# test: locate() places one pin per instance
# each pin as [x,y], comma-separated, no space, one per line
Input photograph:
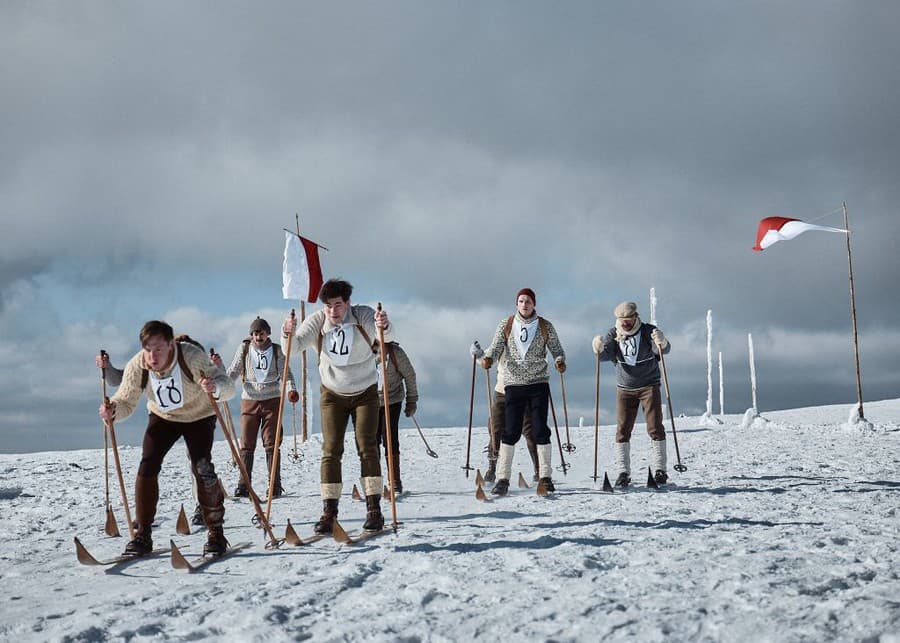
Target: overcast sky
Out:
[449,154]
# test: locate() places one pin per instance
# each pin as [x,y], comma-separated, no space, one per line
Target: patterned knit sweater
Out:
[195,404]
[270,386]
[532,367]
[350,372]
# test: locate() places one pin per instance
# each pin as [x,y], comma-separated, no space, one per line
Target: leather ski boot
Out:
[197,518]
[329,515]
[501,488]
[623,480]
[660,476]
[491,474]
[398,485]
[241,490]
[142,543]
[277,489]
[216,543]
[374,517]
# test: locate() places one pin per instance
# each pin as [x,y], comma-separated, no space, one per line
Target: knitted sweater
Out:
[270,386]
[532,367]
[397,374]
[645,371]
[195,404]
[346,361]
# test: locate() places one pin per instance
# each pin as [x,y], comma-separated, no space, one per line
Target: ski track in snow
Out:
[780,532]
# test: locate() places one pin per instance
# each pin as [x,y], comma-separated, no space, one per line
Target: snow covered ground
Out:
[779,531]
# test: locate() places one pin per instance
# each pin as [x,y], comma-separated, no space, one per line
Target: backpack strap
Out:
[508,327]
[390,350]
[542,324]
[182,362]
[246,350]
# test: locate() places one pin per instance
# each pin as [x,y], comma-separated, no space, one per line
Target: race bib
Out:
[629,347]
[339,343]
[524,334]
[168,392]
[261,361]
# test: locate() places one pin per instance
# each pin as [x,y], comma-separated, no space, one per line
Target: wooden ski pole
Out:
[115,449]
[428,449]
[110,527]
[568,445]
[490,400]
[277,449]
[678,467]
[467,467]
[274,542]
[388,438]
[562,458]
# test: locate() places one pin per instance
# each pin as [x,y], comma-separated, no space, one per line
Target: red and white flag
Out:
[302,273]
[774,229]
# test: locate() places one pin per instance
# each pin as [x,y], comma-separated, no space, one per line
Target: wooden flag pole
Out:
[859,397]
[304,434]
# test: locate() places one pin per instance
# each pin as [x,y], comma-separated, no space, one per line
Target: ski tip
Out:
[607,487]
[479,494]
[182,527]
[355,493]
[479,479]
[290,535]
[339,533]
[84,556]
[523,484]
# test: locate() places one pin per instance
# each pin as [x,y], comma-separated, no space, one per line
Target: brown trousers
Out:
[259,415]
[627,403]
[160,436]
[337,410]
[498,417]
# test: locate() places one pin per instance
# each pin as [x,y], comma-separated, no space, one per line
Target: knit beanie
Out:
[527,292]
[260,324]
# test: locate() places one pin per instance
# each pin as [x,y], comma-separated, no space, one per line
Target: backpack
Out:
[182,339]
[246,350]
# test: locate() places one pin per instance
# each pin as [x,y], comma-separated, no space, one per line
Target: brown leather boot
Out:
[277,489]
[209,494]
[395,474]
[146,495]
[329,515]
[241,490]
[533,452]
[374,518]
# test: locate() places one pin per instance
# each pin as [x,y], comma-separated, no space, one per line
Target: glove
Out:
[410,409]
[597,344]
[486,363]
[658,338]
[560,364]
[293,397]
[476,351]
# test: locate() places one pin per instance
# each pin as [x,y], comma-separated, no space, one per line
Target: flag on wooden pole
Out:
[774,229]
[302,274]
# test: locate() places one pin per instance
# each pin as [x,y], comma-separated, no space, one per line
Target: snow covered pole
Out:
[721,387]
[653,306]
[752,372]
[709,363]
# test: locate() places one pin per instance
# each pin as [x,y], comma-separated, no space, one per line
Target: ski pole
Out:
[562,458]
[388,437]
[295,454]
[678,467]
[115,448]
[276,452]
[110,528]
[597,422]
[568,445]
[490,399]
[467,467]
[274,542]
[422,435]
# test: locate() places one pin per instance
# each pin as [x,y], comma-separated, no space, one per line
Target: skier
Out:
[177,378]
[634,347]
[401,384]
[345,337]
[498,420]
[260,363]
[524,339]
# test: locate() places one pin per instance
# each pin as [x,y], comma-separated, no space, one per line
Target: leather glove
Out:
[597,344]
[658,338]
[486,363]
[560,364]
[293,397]
[475,350]
[410,409]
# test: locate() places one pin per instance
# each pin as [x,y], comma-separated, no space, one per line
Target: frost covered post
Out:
[707,418]
[752,374]
[721,387]
[653,306]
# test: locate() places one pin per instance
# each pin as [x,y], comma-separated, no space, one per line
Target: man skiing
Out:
[523,341]
[401,384]
[345,336]
[178,379]
[259,363]
[498,421]
[634,347]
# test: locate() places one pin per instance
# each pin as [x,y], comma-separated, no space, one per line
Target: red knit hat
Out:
[528,292]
